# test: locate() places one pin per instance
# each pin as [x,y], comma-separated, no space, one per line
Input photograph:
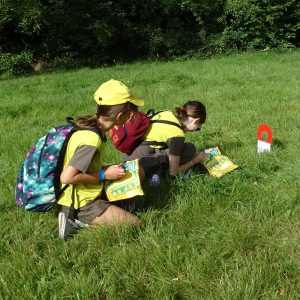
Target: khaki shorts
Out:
[90,211]
[156,161]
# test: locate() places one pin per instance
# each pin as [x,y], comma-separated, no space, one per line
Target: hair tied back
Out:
[183,110]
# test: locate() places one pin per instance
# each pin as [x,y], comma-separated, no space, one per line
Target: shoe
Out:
[68,227]
[155,180]
[187,174]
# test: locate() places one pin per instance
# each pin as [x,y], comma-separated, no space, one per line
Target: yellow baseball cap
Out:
[113,92]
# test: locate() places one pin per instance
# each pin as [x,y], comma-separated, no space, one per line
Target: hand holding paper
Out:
[127,186]
[218,164]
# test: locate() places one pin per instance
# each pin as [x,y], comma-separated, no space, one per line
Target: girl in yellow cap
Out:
[164,148]
[82,203]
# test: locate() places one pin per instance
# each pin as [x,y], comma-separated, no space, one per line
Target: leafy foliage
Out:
[15,64]
[257,24]
[65,33]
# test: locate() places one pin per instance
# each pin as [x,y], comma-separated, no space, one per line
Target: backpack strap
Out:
[151,113]
[72,211]
[70,120]
[166,122]
[96,130]
[59,166]
[60,162]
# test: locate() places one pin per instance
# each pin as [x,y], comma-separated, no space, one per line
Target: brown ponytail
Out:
[109,112]
[192,108]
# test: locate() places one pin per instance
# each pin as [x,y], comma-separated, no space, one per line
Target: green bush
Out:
[15,64]
[258,24]
[64,33]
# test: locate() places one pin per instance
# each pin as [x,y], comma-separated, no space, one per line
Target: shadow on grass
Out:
[163,195]
[230,145]
[278,143]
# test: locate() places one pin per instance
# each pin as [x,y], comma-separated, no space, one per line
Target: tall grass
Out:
[204,238]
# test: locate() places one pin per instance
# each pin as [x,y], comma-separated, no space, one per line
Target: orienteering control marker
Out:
[264,146]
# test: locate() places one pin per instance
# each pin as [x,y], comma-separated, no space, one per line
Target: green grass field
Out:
[237,237]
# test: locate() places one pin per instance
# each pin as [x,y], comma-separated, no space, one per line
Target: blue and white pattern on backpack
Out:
[35,187]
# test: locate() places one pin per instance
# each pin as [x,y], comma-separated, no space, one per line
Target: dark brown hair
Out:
[109,112]
[192,108]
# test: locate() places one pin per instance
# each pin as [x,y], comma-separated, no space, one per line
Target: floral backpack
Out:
[38,180]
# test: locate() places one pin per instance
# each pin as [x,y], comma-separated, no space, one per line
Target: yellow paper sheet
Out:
[126,187]
[218,164]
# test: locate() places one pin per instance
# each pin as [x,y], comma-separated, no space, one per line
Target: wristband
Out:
[101,175]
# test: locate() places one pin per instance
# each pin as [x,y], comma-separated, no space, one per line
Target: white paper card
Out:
[263,146]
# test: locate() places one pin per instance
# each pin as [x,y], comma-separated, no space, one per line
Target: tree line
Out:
[37,34]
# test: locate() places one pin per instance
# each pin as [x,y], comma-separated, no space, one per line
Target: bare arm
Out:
[174,163]
[175,145]
[71,175]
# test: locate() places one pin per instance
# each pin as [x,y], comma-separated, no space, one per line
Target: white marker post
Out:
[264,146]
